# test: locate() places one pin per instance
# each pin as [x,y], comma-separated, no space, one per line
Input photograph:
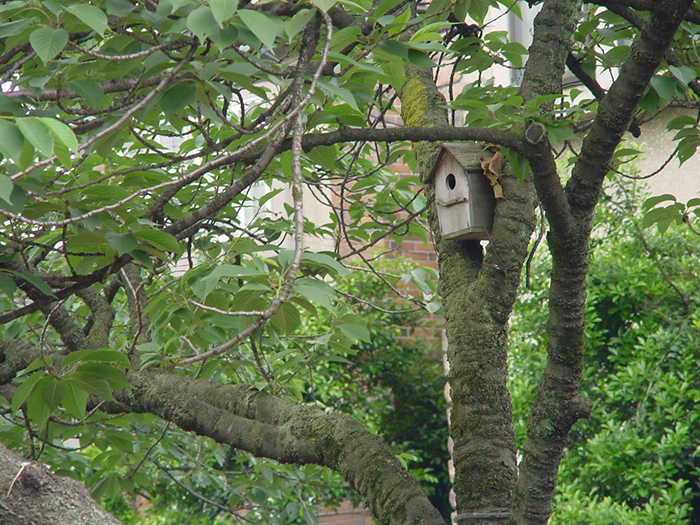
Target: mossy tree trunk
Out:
[478,289]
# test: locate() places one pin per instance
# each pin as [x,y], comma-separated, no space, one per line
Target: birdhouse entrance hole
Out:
[451,181]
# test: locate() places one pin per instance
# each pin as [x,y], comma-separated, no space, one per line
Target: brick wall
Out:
[346,514]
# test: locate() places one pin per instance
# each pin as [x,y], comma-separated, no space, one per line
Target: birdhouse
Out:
[463,195]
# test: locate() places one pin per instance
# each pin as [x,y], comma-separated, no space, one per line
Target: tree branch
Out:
[31,494]
[287,432]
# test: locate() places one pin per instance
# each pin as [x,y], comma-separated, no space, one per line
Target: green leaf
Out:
[61,132]
[120,440]
[119,7]
[53,393]
[420,59]
[657,199]
[39,136]
[222,10]
[161,240]
[356,331]
[264,27]
[92,16]
[107,146]
[75,399]
[105,356]
[92,384]
[324,5]
[37,409]
[345,94]
[38,282]
[14,28]
[655,215]
[6,187]
[202,23]
[17,200]
[315,290]
[286,319]
[665,87]
[177,98]
[395,48]
[294,25]
[325,261]
[11,140]
[385,7]
[113,375]
[435,6]
[123,243]
[106,487]
[7,285]
[90,91]
[343,38]
[47,43]
[683,74]
[25,389]
[681,122]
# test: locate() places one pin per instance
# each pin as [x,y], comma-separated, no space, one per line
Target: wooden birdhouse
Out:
[464,197]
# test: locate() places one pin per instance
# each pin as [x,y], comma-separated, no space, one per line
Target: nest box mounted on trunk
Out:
[463,195]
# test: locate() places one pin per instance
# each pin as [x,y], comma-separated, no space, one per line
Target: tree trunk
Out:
[478,291]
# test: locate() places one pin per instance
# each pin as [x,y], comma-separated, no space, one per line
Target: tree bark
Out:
[29,493]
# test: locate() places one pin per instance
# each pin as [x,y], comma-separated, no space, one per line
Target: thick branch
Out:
[268,426]
[31,494]
[559,403]
[287,432]
[551,45]
[100,322]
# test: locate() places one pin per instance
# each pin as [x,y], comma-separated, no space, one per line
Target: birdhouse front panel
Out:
[464,197]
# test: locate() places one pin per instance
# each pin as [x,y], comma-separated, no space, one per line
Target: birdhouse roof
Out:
[466,153]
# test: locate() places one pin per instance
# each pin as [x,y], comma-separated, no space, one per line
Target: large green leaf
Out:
[75,399]
[222,10]
[105,356]
[14,28]
[324,5]
[264,27]
[61,132]
[91,91]
[53,392]
[6,188]
[161,240]
[177,98]
[11,140]
[38,282]
[91,383]
[90,15]
[202,23]
[286,319]
[26,388]
[47,43]
[123,243]
[36,132]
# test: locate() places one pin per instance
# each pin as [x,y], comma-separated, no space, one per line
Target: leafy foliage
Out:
[636,460]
